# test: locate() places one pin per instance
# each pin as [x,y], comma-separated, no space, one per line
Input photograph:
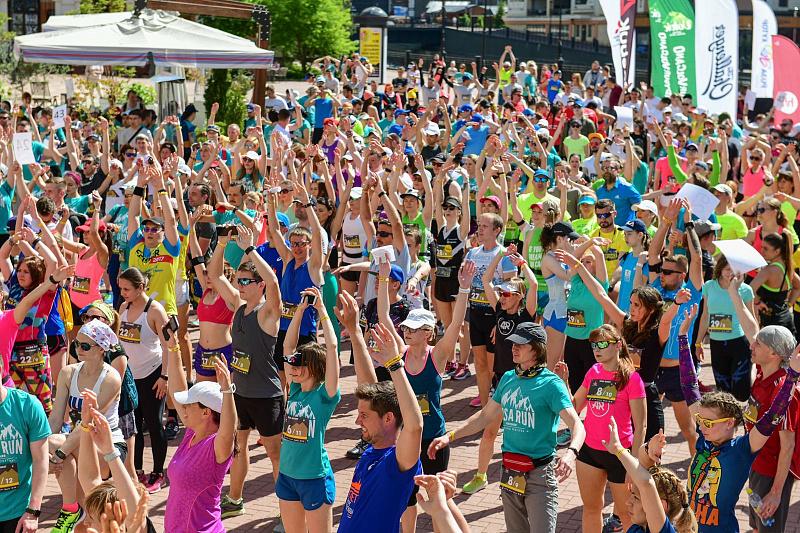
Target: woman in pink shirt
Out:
[611,388]
[753,171]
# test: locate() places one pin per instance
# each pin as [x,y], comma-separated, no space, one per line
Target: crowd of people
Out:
[497,221]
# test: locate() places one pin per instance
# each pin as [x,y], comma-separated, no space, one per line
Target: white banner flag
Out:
[762,69]
[717,55]
[620,21]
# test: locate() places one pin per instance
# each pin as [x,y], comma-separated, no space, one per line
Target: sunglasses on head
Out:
[295,359]
[602,345]
[709,423]
[384,234]
[603,215]
[85,346]
[244,282]
[668,272]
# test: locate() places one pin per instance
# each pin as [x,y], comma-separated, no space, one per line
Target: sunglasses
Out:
[541,179]
[762,210]
[507,294]
[668,272]
[708,423]
[151,229]
[602,345]
[384,234]
[407,329]
[285,191]
[89,318]
[298,244]
[244,282]
[603,215]
[130,154]
[450,208]
[295,359]
[87,162]
[752,158]
[85,346]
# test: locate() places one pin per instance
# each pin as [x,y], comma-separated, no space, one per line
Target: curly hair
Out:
[725,404]
[673,491]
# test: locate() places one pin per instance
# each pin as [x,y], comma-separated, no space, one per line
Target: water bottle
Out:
[755,504]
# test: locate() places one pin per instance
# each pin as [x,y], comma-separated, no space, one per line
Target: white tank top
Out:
[354,239]
[76,400]
[140,342]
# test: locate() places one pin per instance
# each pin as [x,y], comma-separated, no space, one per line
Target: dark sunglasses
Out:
[450,208]
[130,154]
[244,282]
[668,272]
[541,179]
[762,210]
[298,244]
[506,294]
[295,359]
[603,215]
[601,345]
[89,318]
[755,158]
[384,234]
[85,346]
[285,191]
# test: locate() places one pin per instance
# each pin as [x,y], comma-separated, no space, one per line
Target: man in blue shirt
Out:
[474,134]
[323,108]
[554,86]
[623,194]
[384,476]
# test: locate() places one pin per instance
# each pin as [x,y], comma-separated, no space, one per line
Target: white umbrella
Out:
[171,40]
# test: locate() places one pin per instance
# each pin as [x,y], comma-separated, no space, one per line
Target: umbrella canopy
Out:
[106,40]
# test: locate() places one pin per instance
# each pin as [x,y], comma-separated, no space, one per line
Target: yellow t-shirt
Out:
[615,249]
[160,265]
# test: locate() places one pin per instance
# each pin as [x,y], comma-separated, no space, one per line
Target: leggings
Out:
[114,268]
[655,411]
[730,361]
[329,295]
[579,357]
[151,409]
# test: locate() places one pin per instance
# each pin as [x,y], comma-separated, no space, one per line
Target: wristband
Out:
[688,225]
[35,242]
[111,455]
[619,452]
[464,291]
[60,454]
[138,191]
[162,191]
[52,280]
[574,450]
[85,427]
[162,376]
[381,279]
[451,435]
[33,512]
[324,318]
[249,249]
[230,390]
[197,261]
[395,363]
[381,194]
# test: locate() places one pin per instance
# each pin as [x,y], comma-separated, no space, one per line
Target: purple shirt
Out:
[195,487]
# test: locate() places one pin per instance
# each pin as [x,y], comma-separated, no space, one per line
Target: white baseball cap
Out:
[431,128]
[646,205]
[418,318]
[208,393]
[252,154]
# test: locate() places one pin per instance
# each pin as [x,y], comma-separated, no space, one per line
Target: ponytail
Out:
[673,491]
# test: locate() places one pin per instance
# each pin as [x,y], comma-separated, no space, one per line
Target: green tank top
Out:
[535,253]
[419,222]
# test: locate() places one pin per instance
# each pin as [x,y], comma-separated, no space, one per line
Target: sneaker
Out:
[66,521]
[705,388]
[612,524]
[563,437]
[231,507]
[475,484]
[358,450]
[476,402]
[171,429]
[142,477]
[154,483]
[449,370]
[462,373]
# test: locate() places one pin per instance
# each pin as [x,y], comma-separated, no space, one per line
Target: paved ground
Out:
[483,510]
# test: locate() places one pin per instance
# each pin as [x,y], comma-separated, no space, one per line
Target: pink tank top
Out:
[85,287]
[752,182]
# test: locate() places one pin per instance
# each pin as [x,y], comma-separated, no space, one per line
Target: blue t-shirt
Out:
[531,408]
[379,493]
[477,139]
[666,528]
[723,323]
[671,348]
[716,478]
[22,421]
[272,258]
[627,276]
[553,88]
[624,195]
[323,108]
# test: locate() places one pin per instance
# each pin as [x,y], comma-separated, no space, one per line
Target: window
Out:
[23,16]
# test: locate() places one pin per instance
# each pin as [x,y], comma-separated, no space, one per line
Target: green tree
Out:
[501,12]
[102,6]
[228,89]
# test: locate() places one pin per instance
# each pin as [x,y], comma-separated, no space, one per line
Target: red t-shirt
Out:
[761,396]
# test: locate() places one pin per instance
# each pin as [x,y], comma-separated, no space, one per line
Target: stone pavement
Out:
[483,510]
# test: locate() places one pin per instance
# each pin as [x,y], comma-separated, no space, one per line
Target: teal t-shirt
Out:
[233,254]
[303,440]
[6,211]
[531,408]
[640,176]
[584,312]
[23,421]
[79,204]
[723,324]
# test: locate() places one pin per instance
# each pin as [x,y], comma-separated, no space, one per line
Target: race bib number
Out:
[130,332]
[477,296]
[612,254]
[240,361]
[352,241]
[751,412]
[29,356]
[288,310]
[514,482]
[295,429]
[444,252]
[9,476]
[80,285]
[424,404]
[207,360]
[444,272]
[576,318]
[602,390]
[720,323]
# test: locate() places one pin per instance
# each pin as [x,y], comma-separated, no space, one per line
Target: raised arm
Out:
[444,349]
[347,313]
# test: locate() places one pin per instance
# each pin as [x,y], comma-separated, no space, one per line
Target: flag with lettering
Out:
[620,18]
[786,86]
[717,55]
[765,25]
[672,47]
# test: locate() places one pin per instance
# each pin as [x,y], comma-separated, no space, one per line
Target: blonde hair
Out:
[673,491]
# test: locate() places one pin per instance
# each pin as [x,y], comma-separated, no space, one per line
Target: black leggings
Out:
[730,361]
[655,411]
[9,526]
[151,409]
[579,357]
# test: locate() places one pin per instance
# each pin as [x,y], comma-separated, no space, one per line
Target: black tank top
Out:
[506,325]
[255,373]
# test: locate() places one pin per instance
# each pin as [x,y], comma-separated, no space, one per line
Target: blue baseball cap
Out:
[587,199]
[283,220]
[528,112]
[397,274]
[466,108]
[542,173]
[251,108]
[635,225]
[477,117]
[400,112]
[467,76]
[395,128]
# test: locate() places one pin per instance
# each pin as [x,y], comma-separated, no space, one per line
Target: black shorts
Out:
[446,289]
[262,414]
[604,461]
[481,324]
[668,381]
[351,275]
[56,343]
[430,466]
[278,353]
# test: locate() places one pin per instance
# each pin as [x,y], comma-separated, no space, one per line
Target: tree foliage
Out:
[102,6]
[229,89]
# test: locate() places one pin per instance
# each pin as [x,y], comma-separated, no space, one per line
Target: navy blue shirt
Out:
[272,258]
